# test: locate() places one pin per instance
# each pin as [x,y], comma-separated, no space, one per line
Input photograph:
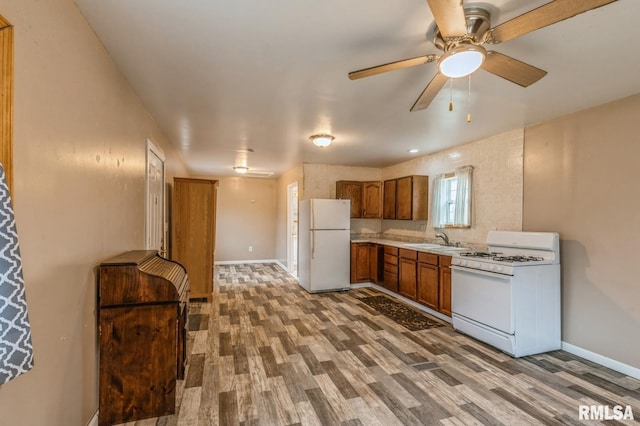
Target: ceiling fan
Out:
[462,33]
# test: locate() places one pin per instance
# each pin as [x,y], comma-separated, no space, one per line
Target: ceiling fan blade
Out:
[430,92]
[543,16]
[449,16]
[512,69]
[391,66]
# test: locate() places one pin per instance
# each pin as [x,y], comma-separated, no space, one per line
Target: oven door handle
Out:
[472,271]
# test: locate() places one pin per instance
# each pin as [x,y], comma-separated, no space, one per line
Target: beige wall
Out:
[79,145]
[246,216]
[497,186]
[581,179]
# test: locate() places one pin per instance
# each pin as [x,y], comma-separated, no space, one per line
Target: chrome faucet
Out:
[444,237]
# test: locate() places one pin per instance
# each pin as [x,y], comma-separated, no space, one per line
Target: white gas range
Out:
[509,297]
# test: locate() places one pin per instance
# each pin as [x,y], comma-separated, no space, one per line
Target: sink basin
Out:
[424,246]
[430,246]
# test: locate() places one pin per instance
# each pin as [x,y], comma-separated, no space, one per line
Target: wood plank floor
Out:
[266,352]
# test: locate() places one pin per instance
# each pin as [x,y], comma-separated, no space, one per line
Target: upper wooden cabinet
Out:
[366,197]
[406,198]
[389,204]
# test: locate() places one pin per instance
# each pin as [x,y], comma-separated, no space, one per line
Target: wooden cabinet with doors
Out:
[407,273]
[193,232]
[445,285]
[350,190]
[428,280]
[366,197]
[359,262]
[406,198]
[365,262]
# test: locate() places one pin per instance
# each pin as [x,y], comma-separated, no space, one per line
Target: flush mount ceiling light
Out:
[241,169]
[462,60]
[322,140]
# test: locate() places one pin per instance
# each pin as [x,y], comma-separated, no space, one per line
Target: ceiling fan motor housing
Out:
[478,23]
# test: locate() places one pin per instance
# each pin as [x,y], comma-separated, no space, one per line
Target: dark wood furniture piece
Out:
[194,232]
[142,328]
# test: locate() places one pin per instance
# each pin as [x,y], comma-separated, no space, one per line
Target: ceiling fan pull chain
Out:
[451,94]
[469,101]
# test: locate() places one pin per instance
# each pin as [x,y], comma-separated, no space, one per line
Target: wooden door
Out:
[404,198]
[193,228]
[372,200]
[389,200]
[351,190]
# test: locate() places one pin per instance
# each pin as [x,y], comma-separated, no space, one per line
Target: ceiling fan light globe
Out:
[241,169]
[462,61]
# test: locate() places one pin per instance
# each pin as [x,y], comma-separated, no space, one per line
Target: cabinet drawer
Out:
[390,259]
[388,267]
[445,260]
[430,258]
[408,254]
[391,250]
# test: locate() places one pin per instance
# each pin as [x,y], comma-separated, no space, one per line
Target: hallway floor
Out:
[266,352]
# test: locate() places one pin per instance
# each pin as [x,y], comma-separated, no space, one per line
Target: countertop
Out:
[410,245]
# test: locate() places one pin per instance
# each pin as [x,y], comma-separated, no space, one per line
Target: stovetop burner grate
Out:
[499,257]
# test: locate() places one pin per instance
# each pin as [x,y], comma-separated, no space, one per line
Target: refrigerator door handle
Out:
[313,243]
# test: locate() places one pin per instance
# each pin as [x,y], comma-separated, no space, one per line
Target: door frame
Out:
[6,106]
[292,249]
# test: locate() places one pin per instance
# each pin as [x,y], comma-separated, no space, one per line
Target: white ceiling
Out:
[223,76]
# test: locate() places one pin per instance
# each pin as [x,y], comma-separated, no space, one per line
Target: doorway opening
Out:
[292,228]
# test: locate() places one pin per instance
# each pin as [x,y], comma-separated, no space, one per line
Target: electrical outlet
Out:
[250,249]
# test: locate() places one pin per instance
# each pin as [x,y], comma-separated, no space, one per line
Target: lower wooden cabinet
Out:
[428,281]
[445,285]
[407,277]
[420,276]
[390,281]
[359,262]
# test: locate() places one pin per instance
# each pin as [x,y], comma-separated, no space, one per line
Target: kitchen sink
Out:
[430,246]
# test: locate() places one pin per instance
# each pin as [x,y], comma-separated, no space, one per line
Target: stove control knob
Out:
[499,268]
[463,263]
[491,267]
[477,264]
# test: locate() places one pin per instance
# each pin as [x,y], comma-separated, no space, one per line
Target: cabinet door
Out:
[445,290]
[375,256]
[389,204]
[372,200]
[350,190]
[407,279]
[404,198]
[428,278]
[359,262]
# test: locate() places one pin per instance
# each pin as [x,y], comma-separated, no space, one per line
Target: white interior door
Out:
[155,200]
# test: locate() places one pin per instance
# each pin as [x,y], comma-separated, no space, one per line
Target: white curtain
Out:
[438,202]
[463,196]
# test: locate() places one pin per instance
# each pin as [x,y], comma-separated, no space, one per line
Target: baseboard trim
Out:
[602,360]
[94,420]
[237,262]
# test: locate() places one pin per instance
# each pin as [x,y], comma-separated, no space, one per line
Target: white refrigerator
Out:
[324,249]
